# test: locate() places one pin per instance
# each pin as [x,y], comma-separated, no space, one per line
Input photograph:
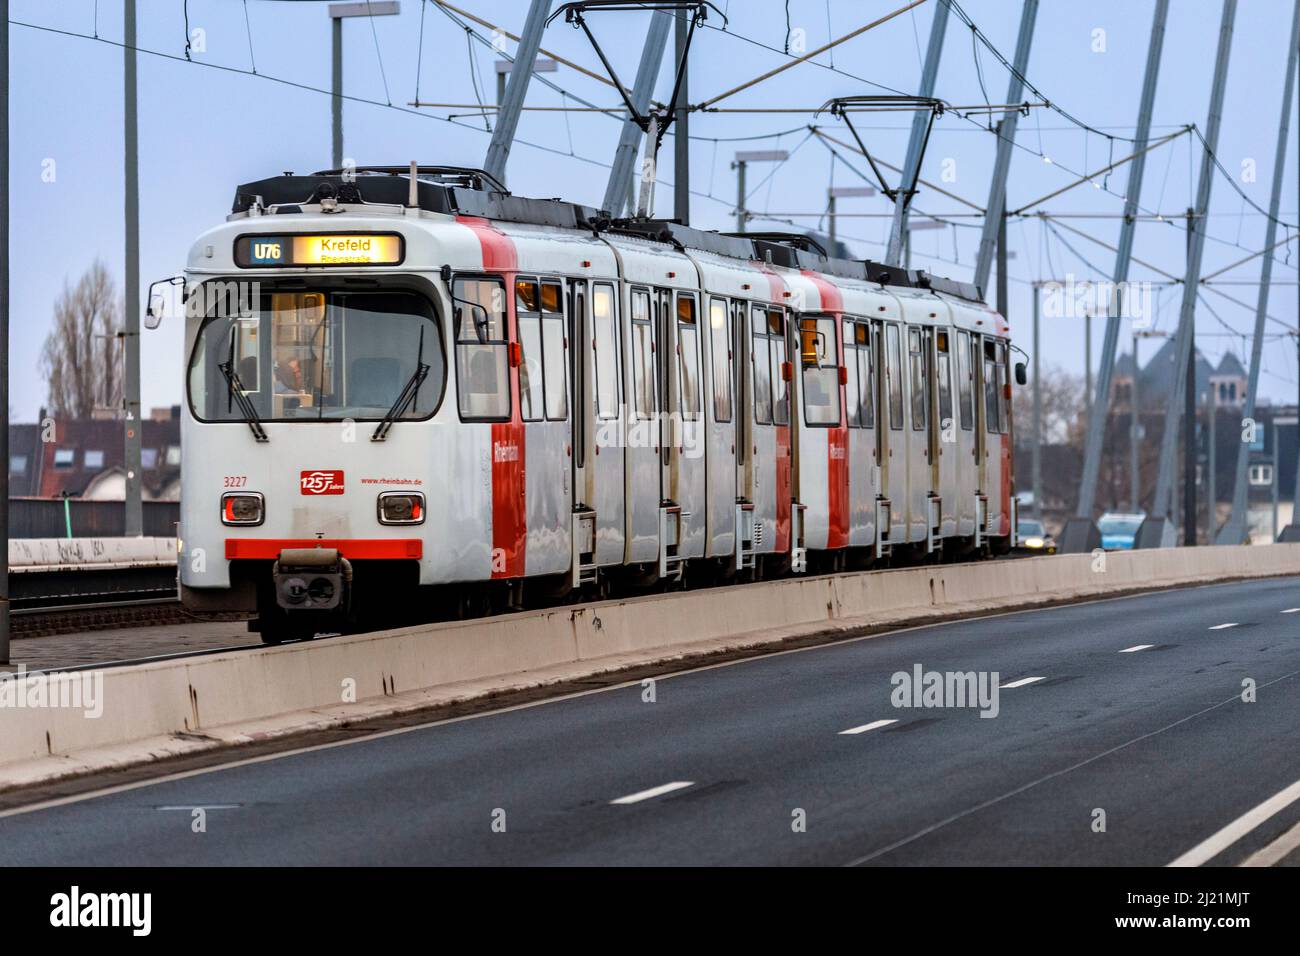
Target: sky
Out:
[252,102]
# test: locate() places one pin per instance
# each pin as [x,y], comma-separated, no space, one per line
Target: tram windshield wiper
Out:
[410,392]
[246,408]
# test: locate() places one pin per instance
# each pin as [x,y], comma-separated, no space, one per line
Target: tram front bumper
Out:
[311,579]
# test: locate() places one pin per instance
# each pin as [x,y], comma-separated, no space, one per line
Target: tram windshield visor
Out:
[318,356]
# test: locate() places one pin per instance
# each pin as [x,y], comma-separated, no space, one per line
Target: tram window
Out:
[606,346]
[821,371]
[991,403]
[553,356]
[894,376]
[852,394]
[688,357]
[551,298]
[866,374]
[325,355]
[780,387]
[762,368]
[643,368]
[526,295]
[965,405]
[720,359]
[482,363]
[944,367]
[920,380]
[530,366]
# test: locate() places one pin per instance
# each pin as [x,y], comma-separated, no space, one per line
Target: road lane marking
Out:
[865,727]
[1135,648]
[1233,701]
[1291,610]
[1211,847]
[366,738]
[1220,627]
[653,792]
[1021,683]
[1277,851]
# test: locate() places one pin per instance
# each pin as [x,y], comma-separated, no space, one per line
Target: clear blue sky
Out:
[204,130]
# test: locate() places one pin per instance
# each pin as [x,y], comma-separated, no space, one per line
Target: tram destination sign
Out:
[319,249]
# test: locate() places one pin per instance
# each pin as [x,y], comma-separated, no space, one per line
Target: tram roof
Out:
[463,191]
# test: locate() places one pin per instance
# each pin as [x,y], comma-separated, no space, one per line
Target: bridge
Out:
[980,316]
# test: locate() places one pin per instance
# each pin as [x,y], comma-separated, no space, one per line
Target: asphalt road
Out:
[1158,739]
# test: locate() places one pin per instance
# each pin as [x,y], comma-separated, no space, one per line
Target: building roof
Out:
[1229,364]
[83,452]
[1158,376]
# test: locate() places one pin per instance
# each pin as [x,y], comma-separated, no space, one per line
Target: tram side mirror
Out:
[1021,376]
[162,300]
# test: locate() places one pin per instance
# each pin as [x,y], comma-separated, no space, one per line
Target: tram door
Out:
[665,347]
[981,423]
[544,370]
[742,359]
[687,462]
[889,427]
[644,459]
[719,409]
[603,460]
[768,471]
[946,454]
[579,374]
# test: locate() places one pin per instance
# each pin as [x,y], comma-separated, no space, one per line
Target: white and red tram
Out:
[413,393]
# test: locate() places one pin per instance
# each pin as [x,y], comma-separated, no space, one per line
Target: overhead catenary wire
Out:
[308,87]
[808,56]
[253,71]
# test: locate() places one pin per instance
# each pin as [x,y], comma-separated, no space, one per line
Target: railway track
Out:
[141,609]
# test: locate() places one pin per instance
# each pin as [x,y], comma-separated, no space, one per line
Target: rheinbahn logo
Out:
[322,481]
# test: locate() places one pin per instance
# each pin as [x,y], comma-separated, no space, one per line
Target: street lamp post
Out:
[503,67]
[741,163]
[338,13]
[841,192]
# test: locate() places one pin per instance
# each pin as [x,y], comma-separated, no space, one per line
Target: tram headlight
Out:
[401,507]
[242,508]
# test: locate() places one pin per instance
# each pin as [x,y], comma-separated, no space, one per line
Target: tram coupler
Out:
[312,579]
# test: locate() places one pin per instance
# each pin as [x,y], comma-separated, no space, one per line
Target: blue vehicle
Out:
[1119,531]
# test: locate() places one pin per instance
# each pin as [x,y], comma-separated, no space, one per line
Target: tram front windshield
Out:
[327,355]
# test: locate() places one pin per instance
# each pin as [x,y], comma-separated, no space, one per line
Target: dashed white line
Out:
[1136,647]
[1021,683]
[1220,627]
[1208,849]
[1290,610]
[871,726]
[653,792]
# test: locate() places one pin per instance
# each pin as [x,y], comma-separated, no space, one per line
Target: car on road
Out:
[1119,531]
[1033,538]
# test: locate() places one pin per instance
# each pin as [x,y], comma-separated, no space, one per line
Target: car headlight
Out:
[401,507]
[242,508]
[1034,542]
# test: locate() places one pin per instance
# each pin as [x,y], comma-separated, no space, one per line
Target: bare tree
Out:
[81,359]
[1063,418]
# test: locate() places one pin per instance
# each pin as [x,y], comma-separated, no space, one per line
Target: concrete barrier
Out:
[27,555]
[187,705]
